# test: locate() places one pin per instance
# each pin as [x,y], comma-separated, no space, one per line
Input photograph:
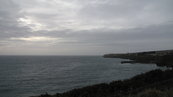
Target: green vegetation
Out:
[154,93]
[156,83]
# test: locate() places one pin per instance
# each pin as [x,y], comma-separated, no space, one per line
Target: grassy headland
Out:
[161,58]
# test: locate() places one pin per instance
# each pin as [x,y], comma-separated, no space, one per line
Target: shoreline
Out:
[153,81]
[157,83]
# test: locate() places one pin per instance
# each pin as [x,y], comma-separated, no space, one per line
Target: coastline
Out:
[158,83]
[155,81]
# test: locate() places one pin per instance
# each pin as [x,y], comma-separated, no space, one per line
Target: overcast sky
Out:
[84,27]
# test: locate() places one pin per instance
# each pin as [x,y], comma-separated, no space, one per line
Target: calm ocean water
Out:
[24,76]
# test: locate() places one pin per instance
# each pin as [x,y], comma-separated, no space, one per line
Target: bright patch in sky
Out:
[31,23]
[36,39]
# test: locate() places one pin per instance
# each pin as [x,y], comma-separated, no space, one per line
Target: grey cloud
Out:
[9,26]
[105,37]
[129,12]
[123,8]
[86,26]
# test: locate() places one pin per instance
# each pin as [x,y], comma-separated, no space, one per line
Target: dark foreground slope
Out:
[156,83]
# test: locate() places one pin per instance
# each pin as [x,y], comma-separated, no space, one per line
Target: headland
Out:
[160,58]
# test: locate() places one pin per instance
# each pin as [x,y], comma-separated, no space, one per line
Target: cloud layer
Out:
[84,27]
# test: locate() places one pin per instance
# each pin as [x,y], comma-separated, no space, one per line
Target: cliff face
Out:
[161,58]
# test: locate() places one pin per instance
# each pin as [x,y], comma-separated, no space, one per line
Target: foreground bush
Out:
[154,93]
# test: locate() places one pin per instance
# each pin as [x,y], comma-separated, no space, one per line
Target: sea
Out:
[25,76]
